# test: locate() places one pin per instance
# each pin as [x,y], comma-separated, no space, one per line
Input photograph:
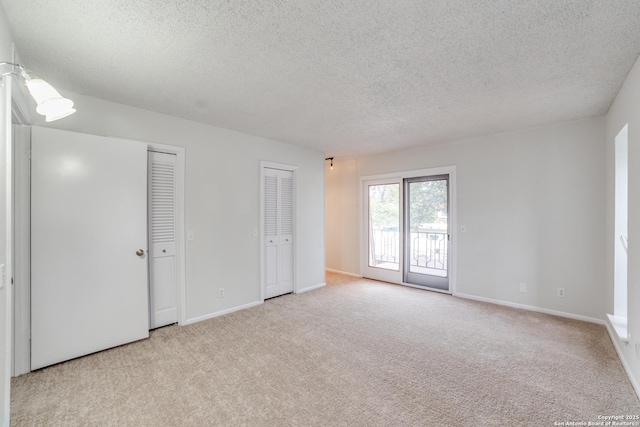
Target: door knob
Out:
[164,251]
[139,252]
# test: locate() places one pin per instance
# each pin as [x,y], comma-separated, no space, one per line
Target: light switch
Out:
[255,232]
[190,235]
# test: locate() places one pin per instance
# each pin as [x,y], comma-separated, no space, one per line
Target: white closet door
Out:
[163,307]
[88,242]
[285,244]
[271,233]
[279,231]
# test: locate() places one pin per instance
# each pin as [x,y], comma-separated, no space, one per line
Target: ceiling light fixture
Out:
[330,158]
[50,103]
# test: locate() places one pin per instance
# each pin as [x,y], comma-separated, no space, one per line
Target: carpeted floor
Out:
[356,353]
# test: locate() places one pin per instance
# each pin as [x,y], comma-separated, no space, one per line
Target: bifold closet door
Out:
[163,301]
[89,244]
[278,232]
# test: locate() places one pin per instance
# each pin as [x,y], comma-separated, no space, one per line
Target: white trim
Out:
[532,308]
[619,325]
[5,128]
[311,288]
[415,173]
[180,153]
[221,313]
[19,107]
[294,169]
[451,171]
[281,166]
[343,272]
[623,360]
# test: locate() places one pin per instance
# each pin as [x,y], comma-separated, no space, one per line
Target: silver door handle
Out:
[139,252]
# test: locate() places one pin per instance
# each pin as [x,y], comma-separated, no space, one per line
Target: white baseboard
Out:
[614,338]
[221,313]
[532,308]
[343,272]
[310,288]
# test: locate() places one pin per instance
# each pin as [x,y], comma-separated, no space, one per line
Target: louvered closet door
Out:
[162,244]
[278,230]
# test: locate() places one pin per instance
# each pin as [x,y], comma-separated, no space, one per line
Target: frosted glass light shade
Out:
[50,103]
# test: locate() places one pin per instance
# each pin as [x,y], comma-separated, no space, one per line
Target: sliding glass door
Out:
[407,234]
[426,231]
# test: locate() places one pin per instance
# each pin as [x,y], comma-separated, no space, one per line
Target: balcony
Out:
[428,251]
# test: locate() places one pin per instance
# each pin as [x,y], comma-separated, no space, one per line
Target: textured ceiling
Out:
[347,77]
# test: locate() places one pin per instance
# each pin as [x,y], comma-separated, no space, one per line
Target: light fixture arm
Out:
[22,72]
[50,103]
[330,158]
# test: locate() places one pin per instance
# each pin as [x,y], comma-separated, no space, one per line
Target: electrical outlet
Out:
[221,293]
[561,292]
[522,287]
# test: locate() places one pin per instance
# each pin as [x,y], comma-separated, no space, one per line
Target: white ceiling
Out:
[347,77]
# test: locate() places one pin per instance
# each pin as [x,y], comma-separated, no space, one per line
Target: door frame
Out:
[22,348]
[453,221]
[181,281]
[293,169]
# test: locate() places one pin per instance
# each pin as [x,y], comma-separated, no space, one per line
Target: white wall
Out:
[626,109]
[222,198]
[532,202]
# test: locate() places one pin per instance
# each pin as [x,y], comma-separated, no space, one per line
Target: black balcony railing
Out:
[428,248]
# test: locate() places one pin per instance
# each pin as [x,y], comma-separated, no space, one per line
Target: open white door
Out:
[88,244]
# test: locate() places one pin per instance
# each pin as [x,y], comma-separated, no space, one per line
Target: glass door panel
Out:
[384,226]
[427,231]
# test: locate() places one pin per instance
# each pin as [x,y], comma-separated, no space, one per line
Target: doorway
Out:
[23,283]
[408,222]
[162,211]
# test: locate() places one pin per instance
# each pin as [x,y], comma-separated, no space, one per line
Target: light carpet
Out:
[356,353]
